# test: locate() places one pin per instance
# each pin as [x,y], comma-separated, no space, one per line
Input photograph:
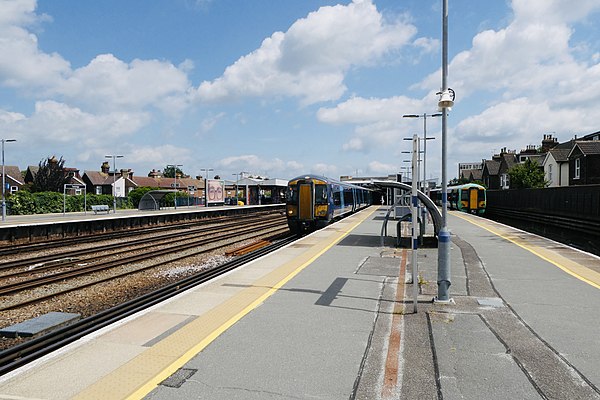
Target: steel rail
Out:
[88,269]
[73,253]
[70,241]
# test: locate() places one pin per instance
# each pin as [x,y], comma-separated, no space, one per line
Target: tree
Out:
[51,176]
[169,172]
[527,175]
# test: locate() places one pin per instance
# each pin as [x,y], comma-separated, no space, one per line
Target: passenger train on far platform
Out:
[313,202]
[469,197]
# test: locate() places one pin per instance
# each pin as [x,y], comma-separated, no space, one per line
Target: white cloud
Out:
[359,110]
[376,167]
[109,83]
[158,157]
[328,170]
[105,84]
[310,60]
[54,122]
[209,123]
[22,64]
[254,164]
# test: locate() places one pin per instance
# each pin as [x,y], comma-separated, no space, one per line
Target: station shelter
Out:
[253,191]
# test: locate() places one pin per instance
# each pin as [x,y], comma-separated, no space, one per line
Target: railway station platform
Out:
[331,317]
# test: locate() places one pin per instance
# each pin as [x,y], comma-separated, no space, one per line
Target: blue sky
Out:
[286,87]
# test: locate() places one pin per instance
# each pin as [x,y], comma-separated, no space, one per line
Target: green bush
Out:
[26,203]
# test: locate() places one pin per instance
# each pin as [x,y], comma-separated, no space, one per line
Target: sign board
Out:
[214,191]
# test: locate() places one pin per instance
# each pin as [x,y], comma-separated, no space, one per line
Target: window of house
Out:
[577,168]
[14,189]
[550,172]
[98,189]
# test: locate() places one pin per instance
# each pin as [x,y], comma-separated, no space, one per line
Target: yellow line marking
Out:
[594,276]
[192,352]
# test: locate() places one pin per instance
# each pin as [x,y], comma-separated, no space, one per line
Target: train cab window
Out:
[291,196]
[320,194]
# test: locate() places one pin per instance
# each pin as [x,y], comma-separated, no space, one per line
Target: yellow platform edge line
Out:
[181,361]
[536,253]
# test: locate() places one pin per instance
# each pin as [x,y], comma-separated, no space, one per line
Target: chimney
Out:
[105,167]
[548,143]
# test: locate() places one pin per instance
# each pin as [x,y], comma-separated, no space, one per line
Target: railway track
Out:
[98,263]
[26,352]
[71,257]
[11,249]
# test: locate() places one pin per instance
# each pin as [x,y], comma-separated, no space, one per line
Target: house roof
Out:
[167,183]
[14,173]
[475,174]
[510,160]
[560,154]
[589,146]
[98,178]
[492,166]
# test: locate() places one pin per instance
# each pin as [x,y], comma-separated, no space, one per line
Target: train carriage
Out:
[312,202]
[469,197]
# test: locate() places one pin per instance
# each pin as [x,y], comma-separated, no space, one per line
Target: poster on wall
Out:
[215,192]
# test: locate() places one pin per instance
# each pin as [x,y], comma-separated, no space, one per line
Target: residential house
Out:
[584,163]
[508,159]
[72,175]
[103,181]
[472,175]
[489,173]
[13,179]
[556,164]
[468,167]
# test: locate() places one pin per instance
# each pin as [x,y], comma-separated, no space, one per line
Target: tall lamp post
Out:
[4,178]
[114,158]
[445,102]
[425,139]
[207,170]
[175,166]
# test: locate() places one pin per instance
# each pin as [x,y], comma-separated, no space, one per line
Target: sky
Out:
[282,88]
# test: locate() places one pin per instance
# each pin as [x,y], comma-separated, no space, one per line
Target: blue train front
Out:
[312,202]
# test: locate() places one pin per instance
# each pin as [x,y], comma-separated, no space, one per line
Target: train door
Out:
[305,201]
[473,197]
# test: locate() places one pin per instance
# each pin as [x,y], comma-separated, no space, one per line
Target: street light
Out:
[114,158]
[425,139]
[4,179]
[207,170]
[175,166]
[445,102]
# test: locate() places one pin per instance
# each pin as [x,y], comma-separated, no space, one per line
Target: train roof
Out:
[467,185]
[325,179]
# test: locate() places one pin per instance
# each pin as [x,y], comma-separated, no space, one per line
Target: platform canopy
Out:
[151,200]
